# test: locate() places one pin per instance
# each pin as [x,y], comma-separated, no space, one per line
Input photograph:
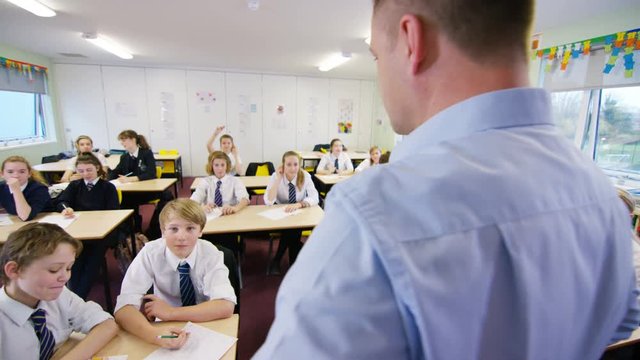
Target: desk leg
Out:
[107,287]
[134,251]
[178,167]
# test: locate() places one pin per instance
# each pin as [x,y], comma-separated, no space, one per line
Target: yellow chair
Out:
[262,170]
[168,166]
[323,150]
[158,175]
[119,195]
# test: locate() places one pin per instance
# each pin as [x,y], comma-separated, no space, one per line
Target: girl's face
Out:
[16,170]
[219,168]
[291,166]
[84,145]
[226,144]
[336,149]
[375,156]
[129,144]
[89,172]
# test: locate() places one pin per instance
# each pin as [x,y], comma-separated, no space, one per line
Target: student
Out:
[374,159]
[24,192]
[37,312]
[91,192]
[138,164]
[228,147]
[220,189]
[189,279]
[84,144]
[336,162]
[290,185]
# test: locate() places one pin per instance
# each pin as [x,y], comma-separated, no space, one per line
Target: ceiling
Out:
[283,36]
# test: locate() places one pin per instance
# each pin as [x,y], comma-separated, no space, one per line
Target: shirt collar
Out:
[293,181]
[135,154]
[18,312]
[494,110]
[223,179]
[95,181]
[174,261]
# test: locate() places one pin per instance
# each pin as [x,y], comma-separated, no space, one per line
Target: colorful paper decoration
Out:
[23,68]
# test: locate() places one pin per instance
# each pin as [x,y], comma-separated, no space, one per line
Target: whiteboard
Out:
[344,105]
[125,100]
[279,116]
[81,100]
[168,113]
[244,114]
[206,99]
[313,113]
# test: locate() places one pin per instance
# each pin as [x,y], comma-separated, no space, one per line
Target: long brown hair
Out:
[89,158]
[82,137]
[140,139]
[300,175]
[33,174]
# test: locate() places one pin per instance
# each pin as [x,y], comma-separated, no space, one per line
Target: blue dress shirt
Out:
[487,236]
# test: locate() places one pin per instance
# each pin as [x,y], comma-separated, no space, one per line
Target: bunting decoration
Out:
[621,44]
[23,68]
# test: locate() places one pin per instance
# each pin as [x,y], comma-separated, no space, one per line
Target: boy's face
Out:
[44,279]
[219,168]
[181,236]
[226,145]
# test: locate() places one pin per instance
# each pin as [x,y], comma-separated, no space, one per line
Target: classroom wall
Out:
[179,109]
[34,153]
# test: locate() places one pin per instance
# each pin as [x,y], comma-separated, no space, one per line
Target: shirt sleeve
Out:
[71,165]
[347,162]
[67,197]
[311,193]
[363,165]
[136,282]
[337,301]
[119,169]
[84,315]
[239,190]
[324,162]
[216,279]
[38,199]
[111,197]
[150,162]
[272,183]
[200,194]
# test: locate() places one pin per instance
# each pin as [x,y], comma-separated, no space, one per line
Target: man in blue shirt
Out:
[487,236]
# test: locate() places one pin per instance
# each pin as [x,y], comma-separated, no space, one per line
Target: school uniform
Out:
[68,313]
[157,266]
[365,164]
[81,195]
[232,190]
[36,194]
[308,193]
[142,164]
[341,163]
[71,165]
[233,163]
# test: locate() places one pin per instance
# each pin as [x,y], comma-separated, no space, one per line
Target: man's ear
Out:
[419,41]
[12,270]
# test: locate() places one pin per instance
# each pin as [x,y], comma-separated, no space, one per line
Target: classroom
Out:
[267,113]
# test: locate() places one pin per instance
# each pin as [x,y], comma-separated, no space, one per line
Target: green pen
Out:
[167,336]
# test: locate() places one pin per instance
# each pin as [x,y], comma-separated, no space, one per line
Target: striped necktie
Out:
[218,198]
[47,342]
[90,186]
[292,193]
[335,164]
[187,292]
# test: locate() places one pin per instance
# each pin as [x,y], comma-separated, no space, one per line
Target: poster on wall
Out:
[345,116]
[312,114]
[167,115]
[205,99]
[244,118]
[279,119]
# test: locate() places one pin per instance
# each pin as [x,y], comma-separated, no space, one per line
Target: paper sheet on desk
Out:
[59,220]
[214,214]
[277,213]
[5,220]
[203,343]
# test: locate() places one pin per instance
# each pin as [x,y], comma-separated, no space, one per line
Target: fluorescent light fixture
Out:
[333,61]
[34,7]
[107,45]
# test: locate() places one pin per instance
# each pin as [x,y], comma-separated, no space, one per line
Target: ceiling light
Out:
[333,61]
[34,7]
[107,45]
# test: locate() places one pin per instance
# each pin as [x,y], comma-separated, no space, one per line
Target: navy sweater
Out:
[103,196]
[36,193]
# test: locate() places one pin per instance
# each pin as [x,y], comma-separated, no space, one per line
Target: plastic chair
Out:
[168,167]
[158,175]
[119,195]
[50,159]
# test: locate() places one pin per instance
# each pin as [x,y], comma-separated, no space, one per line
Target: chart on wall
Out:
[345,116]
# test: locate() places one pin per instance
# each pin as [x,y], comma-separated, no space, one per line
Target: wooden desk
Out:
[250,182]
[633,339]
[153,185]
[248,221]
[315,156]
[61,165]
[332,179]
[127,344]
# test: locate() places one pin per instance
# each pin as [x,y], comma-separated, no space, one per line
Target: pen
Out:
[128,174]
[64,206]
[167,337]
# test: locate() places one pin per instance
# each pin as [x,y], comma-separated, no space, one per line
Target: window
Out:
[618,135]
[22,118]
[566,111]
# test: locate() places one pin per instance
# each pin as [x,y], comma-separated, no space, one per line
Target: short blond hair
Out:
[183,208]
[217,155]
[32,242]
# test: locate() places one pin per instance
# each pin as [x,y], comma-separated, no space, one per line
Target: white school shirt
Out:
[156,265]
[308,193]
[232,190]
[365,164]
[233,163]
[66,314]
[344,162]
[71,165]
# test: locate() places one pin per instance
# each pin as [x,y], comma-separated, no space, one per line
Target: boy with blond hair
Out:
[190,281]
[37,311]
